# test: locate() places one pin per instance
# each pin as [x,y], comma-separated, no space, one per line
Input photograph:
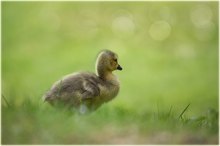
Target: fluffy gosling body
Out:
[87,91]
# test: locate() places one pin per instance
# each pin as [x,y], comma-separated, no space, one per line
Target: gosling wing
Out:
[90,88]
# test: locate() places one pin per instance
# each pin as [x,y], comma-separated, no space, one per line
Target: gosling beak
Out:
[119,67]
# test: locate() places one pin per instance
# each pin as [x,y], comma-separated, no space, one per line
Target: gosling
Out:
[85,91]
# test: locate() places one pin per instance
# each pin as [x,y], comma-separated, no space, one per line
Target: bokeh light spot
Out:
[185,51]
[123,25]
[201,15]
[160,30]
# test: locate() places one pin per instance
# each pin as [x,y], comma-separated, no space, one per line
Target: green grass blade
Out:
[5,100]
[180,116]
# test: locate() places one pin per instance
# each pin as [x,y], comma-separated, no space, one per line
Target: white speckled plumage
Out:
[87,91]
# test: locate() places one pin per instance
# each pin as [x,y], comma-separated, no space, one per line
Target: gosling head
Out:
[107,61]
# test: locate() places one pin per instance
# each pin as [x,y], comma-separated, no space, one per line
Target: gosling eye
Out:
[116,60]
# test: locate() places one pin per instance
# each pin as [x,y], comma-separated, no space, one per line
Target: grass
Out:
[42,124]
[165,68]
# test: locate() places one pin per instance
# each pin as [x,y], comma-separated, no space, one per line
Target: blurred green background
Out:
[169,55]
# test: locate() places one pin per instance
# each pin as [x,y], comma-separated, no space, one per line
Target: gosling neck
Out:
[104,74]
